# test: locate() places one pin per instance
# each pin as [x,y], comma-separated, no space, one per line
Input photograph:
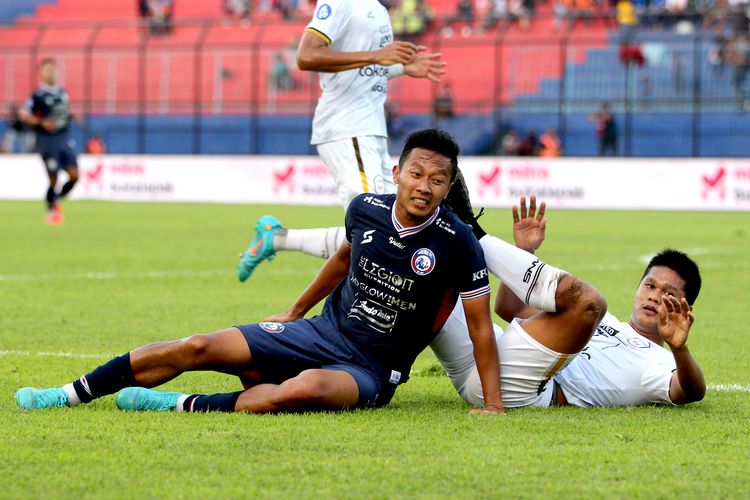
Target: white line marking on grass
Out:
[110,275]
[729,387]
[53,354]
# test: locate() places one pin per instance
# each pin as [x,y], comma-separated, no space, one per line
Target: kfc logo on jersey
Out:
[324,12]
[271,327]
[423,261]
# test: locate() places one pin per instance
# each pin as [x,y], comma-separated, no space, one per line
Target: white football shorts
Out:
[359,165]
[526,366]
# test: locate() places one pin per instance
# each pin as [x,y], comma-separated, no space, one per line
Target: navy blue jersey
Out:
[50,103]
[403,282]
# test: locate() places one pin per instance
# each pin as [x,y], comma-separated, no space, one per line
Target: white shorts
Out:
[526,366]
[359,165]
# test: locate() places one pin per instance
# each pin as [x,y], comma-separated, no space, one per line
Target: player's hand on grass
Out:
[487,409]
[426,65]
[529,225]
[675,319]
[284,317]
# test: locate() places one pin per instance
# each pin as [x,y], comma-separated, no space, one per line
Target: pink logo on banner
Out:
[490,180]
[93,179]
[284,179]
[715,183]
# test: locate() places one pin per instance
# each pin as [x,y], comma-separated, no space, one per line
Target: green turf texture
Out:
[118,275]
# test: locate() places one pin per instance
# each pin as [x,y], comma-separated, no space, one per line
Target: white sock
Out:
[321,242]
[531,280]
[181,402]
[73,398]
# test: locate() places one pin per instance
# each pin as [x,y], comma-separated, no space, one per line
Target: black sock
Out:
[107,379]
[211,402]
[50,197]
[67,187]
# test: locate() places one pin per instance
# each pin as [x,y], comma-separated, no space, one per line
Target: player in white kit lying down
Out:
[623,363]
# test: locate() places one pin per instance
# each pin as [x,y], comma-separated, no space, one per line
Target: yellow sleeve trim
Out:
[318,33]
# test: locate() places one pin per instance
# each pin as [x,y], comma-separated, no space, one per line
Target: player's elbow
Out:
[306,61]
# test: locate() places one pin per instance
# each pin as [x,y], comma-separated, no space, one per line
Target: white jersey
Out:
[618,367]
[352,101]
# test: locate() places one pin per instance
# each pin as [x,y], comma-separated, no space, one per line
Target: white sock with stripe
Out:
[531,280]
[73,398]
[321,242]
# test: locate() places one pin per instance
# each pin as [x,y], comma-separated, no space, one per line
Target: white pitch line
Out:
[711,387]
[53,354]
[110,275]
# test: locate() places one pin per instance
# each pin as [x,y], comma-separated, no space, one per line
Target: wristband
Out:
[395,70]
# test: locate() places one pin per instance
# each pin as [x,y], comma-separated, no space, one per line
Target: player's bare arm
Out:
[675,319]
[482,336]
[330,275]
[314,54]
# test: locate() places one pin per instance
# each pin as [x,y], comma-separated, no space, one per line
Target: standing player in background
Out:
[48,111]
[350,42]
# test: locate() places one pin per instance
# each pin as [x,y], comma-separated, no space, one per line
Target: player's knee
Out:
[73,176]
[309,388]
[195,349]
[577,295]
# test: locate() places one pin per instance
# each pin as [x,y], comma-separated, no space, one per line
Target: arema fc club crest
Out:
[272,327]
[324,12]
[423,261]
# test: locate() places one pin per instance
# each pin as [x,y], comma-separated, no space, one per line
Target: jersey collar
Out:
[408,231]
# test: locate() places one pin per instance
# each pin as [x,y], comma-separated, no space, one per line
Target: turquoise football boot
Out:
[261,248]
[30,398]
[142,399]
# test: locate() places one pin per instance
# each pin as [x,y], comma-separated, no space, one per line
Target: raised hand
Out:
[675,320]
[529,226]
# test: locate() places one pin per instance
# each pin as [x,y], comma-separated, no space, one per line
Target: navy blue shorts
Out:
[281,351]
[57,157]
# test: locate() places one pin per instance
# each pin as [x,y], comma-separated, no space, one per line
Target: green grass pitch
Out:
[118,275]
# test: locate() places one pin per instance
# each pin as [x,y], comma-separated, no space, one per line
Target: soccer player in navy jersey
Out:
[390,287]
[48,111]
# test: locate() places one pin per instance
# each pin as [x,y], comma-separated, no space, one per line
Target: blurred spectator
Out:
[161,22]
[580,9]
[18,138]
[521,11]
[631,53]
[510,143]
[288,8]
[95,145]
[464,15]
[738,56]
[717,52]
[529,145]
[237,9]
[280,75]
[549,144]
[442,106]
[627,19]
[496,12]
[606,130]
[411,18]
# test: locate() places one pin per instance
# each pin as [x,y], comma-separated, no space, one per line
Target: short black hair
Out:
[681,264]
[432,139]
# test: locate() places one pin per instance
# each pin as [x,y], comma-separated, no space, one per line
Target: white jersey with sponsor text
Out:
[352,101]
[618,367]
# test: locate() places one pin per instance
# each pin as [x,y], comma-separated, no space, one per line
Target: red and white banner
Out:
[586,183]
